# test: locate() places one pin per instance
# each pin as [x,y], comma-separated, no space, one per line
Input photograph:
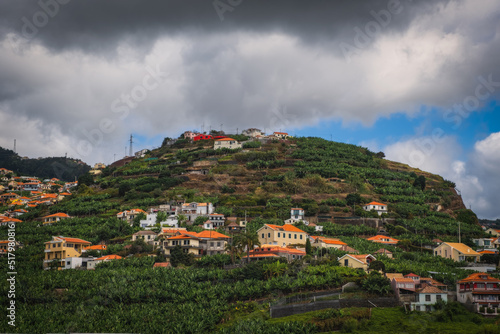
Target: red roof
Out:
[161,265]
[109,257]
[72,240]
[376,203]
[378,238]
[477,277]
[59,214]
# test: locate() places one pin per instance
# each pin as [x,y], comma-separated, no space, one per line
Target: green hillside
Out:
[65,169]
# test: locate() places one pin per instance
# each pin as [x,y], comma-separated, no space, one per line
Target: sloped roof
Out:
[430,289]
[393,275]
[376,203]
[476,277]
[72,240]
[95,247]
[109,257]
[286,227]
[378,238]
[403,280]
[59,214]
[161,265]
[462,248]
[211,234]
[360,258]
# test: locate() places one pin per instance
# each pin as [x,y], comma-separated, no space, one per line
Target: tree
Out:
[377,284]
[275,269]
[138,218]
[181,219]
[200,220]
[419,182]
[308,247]
[234,248]
[161,216]
[377,265]
[248,240]
[353,199]
[86,179]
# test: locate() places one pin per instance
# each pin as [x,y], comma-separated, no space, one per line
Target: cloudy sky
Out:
[419,80]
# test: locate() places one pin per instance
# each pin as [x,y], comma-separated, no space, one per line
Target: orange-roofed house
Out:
[361,261]
[323,242]
[9,221]
[493,231]
[281,235]
[382,239]
[199,244]
[281,135]
[98,248]
[91,264]
[129,215]
[229,143]
[270,251]
[380,208]
[60,248]
[480,289]
[456,252]
[50,219]
[9,246]
[426,297]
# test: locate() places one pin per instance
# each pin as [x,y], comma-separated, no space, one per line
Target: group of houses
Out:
[222,141]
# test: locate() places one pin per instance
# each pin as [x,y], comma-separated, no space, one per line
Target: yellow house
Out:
[356,261]
[323,242]
[60,248]
[493,232]
[281,235]
[456,252]
[190,244]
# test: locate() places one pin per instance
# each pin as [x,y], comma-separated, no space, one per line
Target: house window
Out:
[279,236]
[295,236]
[301,237]
[186,242]
[218,244]
[53,245]
[211,244]
[417,308]
[427,298]
[480,286]
[269,235]
[439,297]
[346,262]
[262,235]
[490,286]
[289,235]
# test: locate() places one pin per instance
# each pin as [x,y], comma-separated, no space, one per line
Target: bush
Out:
[350,325]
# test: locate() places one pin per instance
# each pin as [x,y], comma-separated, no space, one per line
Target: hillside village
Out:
[273,201]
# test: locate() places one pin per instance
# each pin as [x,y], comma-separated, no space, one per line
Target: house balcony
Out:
[182,246]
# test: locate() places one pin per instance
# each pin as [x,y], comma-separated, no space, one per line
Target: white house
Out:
[217,219]
[281,135]
[379,207]
[296,215]
[193,210]
[227,143]
[76,262]
[150,221]
[92,263]
[252,132]
[426,297]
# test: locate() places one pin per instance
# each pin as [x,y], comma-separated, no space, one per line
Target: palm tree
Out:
[234,247]
[248,239]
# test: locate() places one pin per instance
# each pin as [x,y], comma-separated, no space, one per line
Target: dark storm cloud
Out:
[97,26]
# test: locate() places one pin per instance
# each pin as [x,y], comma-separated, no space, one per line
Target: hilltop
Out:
[66,169]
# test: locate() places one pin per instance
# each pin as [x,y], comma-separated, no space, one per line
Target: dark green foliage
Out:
[62,168]
[419,182]
[377,265]
[353,199]
[252,144]
[467,216]
[308,247]
[253,326]
[85,179]
[178,257]
[377,284]
[213,261]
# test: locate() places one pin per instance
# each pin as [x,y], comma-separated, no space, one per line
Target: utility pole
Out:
[459,238]
[131,142]
[15,146]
